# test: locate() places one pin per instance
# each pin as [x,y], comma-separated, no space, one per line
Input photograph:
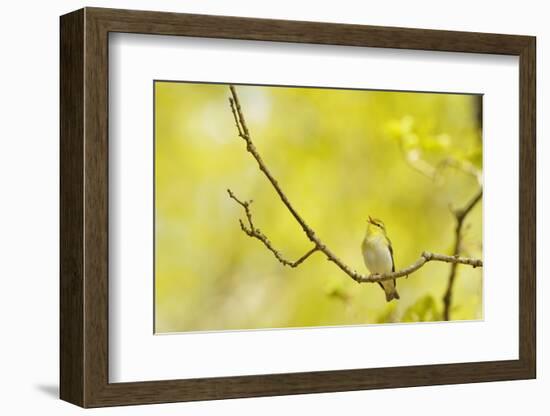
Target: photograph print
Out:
[296,207]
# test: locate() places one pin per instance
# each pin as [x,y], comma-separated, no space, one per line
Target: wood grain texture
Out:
[72,216]
[527,208]
[84,207]
[96,208]
[162,23]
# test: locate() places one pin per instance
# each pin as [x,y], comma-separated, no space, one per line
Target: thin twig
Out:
[463,166]
[318,245]
[254,232]
[415,161]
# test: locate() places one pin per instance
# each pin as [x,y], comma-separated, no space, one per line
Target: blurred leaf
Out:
[424,309]
[337,292]
[436,143]
[389,315]
[475,157]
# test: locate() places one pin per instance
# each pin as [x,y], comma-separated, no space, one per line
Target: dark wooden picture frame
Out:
[84,218]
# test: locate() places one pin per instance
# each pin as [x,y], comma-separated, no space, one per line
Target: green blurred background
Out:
[339,155]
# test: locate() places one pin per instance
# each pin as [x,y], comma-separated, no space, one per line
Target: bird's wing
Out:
[392,262]
[391,254]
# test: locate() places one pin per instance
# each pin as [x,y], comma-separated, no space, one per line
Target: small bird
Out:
[378,255]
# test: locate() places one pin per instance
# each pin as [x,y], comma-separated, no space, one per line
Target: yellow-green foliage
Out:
[339,156]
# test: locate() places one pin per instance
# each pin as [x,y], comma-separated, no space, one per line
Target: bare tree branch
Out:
[414,159]
[460,216]
[254,232]
[463,166]
[425,257]
[318,245]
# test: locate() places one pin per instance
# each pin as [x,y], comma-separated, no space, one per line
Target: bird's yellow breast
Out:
[376,254]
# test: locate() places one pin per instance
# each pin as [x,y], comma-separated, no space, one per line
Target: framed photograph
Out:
[254,207]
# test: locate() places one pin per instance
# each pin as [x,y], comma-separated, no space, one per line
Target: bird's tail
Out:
[391,295]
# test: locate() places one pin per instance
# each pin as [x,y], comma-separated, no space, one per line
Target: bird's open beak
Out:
[370,219]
